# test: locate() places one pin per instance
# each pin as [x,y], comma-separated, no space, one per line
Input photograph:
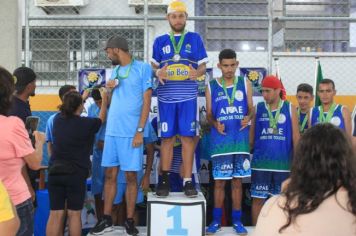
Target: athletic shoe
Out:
[102,227]
[163,188]
[189,189]
[213,228]
[130,227]
[239,228]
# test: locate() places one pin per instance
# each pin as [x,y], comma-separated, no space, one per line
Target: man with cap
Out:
[130,86]
[274,134]
[25,87]
[178,59]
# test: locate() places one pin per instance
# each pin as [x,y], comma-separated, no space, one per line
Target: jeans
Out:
[25,212]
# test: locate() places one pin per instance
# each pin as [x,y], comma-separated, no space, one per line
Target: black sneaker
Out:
[102,227]
[162,189]
[189,189]
[130,227]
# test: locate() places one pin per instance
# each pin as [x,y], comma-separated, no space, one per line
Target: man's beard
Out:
[178,30]
[114,62]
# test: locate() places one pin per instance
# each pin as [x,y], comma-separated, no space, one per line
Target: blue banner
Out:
[88,78]
[255,75]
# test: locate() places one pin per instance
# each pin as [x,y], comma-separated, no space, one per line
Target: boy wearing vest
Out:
[229,110]
[328,111]
[304,97]
[274,134]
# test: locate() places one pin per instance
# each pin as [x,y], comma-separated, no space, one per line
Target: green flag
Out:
[318,78]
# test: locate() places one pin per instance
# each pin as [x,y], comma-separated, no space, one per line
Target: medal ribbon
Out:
[329,115]
[302,125]
[231,99]
[119,77]
[176,47]
[273,120]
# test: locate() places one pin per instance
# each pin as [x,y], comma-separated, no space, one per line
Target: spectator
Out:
[16,150]
[24,89]
[9,221]
[320,198]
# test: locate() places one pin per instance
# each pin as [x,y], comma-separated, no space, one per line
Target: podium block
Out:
[176,215]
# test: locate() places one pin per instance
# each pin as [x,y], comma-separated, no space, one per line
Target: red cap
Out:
[271,81]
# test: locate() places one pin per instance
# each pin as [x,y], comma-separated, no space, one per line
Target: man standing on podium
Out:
[229,111]
[178,58]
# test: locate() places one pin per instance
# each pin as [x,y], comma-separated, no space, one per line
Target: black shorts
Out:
[67,188]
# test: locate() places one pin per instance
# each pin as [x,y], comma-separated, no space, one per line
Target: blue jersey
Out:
[337,118]
[273,152]
[178,87]
[127,99]
[93,111]
[235,141]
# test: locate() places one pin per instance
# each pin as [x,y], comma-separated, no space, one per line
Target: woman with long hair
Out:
[320,197]
[16,151]
[73,138]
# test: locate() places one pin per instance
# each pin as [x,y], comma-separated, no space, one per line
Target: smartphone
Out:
[32,123]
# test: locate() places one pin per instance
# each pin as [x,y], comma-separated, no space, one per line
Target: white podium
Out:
[176,215]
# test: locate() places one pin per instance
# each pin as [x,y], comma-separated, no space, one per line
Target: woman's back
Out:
[330,218]
[73,138]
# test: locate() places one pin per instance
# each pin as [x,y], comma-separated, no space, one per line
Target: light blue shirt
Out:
[93,111]
[127,99]
[49,128]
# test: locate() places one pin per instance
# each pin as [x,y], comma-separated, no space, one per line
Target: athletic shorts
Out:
[178,118]
[231,166]
[267,183]
[118,151]
[97,176]
[68,189]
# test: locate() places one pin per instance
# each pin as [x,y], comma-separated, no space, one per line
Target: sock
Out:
[217,214]
[108,218]
[130,220]
[236,215]
[186,180]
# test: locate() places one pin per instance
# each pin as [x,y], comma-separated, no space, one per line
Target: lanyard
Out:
[273,120]
[232,98]
[329,115]
[121,77]
[302,125]
[176,47]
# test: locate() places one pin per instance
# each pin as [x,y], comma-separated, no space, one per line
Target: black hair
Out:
[95,93]
[321,166]
[327,81]
[71,102]
[307,88]
[65,89]
[7,87]
[227,54]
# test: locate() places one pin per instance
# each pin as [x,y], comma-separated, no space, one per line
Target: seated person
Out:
[320,197]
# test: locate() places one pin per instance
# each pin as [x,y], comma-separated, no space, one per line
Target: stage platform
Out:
[120,231]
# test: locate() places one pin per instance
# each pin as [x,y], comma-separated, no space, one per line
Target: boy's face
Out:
[304,99]
[326,93]
[228,67]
